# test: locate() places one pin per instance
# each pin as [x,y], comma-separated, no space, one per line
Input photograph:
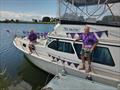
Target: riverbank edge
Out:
[30,22]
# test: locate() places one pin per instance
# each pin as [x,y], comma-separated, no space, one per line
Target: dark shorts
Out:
[86,52]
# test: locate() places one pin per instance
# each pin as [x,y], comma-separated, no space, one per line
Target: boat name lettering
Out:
[71,29]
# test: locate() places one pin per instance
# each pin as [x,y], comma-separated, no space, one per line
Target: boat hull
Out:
[42,64]
[56,69]
[41,59]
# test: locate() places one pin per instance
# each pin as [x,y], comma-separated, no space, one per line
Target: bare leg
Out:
[88,69]
[30,48]
[83,63]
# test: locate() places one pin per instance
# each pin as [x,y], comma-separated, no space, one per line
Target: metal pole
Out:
[59,8]
[0,48]
[110,9]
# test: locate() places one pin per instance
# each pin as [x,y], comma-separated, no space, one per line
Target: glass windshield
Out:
[61,46]
[105,13]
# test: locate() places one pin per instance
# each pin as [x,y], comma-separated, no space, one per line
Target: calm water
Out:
[20,73]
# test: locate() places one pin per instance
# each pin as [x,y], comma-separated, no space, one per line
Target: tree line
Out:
[44,19]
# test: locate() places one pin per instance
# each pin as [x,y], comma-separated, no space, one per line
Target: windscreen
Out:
[99,12]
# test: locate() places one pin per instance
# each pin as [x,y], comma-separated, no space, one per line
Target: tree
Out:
[6,21]
[34,20]
[46,19]
[17,20]
[12,20]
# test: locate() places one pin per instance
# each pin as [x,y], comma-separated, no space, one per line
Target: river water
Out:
[16,72]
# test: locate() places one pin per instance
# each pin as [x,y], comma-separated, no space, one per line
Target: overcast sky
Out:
[33,9]
[27,9]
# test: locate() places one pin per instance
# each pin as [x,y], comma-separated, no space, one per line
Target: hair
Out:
[87,26]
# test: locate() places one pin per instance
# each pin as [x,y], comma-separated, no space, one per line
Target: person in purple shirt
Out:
[32,36]
[33,39]
[89,43]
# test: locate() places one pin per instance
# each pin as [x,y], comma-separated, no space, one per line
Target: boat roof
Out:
[79,3]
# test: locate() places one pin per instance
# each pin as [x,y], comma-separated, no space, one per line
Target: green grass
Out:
[4,83]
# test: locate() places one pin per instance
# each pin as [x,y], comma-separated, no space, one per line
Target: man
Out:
[89,43]
[32,38]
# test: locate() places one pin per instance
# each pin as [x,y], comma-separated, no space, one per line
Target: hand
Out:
[91,49]
[74,41]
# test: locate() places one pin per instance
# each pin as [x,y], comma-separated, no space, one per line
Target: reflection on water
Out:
[20,74]
[33,75]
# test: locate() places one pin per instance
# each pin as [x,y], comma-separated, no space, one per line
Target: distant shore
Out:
[31,22]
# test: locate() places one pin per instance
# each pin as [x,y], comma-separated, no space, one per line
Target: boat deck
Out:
[69,82]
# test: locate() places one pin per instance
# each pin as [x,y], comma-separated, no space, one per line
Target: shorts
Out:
[85,52]
[32,46]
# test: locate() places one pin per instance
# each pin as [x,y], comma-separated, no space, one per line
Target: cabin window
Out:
[53,45]
[65,47]
[78,48]
[61,46]
[100,55]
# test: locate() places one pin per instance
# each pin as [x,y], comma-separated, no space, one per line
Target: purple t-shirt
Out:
[32,36]
[88,39]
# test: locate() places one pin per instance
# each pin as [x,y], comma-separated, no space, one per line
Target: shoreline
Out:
[30,22]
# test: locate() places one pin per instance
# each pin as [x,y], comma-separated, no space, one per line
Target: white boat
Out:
[58,52]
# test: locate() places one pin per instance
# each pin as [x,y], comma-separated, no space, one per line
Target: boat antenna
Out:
[59,9]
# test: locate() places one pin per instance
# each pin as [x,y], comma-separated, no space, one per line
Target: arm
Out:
[95,40]
[77,39]
[94,45]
